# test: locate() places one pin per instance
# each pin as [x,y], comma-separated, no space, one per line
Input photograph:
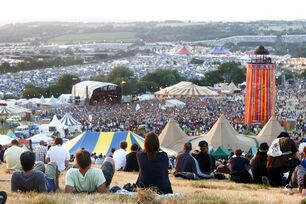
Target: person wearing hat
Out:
[277,165]
[259,163]
[207,162]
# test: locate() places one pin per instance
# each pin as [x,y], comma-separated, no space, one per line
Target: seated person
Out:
[3,197]
[100,159]
[259,163]
[87,179]
[153,166]
[32,177]
[12,156]
[239,168]
[297,179]
[187,166]
[119,156]
[206,161]
[131,160]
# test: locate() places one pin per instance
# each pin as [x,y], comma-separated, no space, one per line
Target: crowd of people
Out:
[280,164]
[195,118]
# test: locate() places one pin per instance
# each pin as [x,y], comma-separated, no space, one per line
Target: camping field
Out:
[95,37]
[191,192]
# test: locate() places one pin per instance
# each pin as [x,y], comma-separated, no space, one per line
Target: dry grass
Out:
[191,192]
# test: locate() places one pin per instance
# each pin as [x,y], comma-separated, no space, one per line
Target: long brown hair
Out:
[151,145]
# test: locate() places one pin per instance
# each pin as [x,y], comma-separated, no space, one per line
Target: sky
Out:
[150,10]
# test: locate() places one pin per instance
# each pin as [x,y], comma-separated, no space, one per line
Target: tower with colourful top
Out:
[260,87]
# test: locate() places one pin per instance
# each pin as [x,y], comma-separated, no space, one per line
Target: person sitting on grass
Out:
[32,178]
[12,156]
[259,163]
[153,166]
[131,160]
[187,166]
[119,156]
[239,168]
[207,162]
[87,179]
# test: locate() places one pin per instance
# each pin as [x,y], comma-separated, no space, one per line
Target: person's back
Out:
[238,164]
[131,160]
[40,152]
[12,156]
[58,155]
[154,173]
[185,163]
[119,156]
[259,163]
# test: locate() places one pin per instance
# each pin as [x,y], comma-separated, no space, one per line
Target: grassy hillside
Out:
[191,192]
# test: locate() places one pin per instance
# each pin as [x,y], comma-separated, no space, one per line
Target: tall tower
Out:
[260,87]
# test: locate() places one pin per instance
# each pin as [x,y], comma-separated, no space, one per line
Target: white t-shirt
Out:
[119,157]
[58,155]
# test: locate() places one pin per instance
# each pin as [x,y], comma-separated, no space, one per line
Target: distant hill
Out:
[147,31]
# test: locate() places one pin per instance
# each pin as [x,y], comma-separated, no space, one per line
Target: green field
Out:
[95,37]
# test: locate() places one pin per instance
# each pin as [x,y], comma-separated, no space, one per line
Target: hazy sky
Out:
[146,10]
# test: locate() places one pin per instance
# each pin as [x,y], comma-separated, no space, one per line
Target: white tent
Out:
[85,89]
[52,102]
[173,137]
[232,87]
[42,100]
[270,131]
[174,103]
[37,138]
[56,124]
[68,120]
[223,134]
[186,88]
[5,140]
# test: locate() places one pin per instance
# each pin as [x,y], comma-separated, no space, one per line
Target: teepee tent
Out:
[173,137]
[223,134]
[68,120]
[270,131]
[103,142]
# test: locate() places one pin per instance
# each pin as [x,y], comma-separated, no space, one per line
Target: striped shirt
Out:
[40,153]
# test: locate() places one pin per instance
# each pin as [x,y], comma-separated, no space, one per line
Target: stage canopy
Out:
[103,142]
[85,89]
[186,88]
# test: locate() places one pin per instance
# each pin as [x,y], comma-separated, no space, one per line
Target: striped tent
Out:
[103,142]
[68,120]
[5,110]
[186,88]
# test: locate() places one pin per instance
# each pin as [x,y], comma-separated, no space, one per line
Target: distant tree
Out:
[303,75]
[124,77]
[161,78]
[65,82]
[227,72]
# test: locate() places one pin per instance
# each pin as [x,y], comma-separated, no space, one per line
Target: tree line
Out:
[151,82]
